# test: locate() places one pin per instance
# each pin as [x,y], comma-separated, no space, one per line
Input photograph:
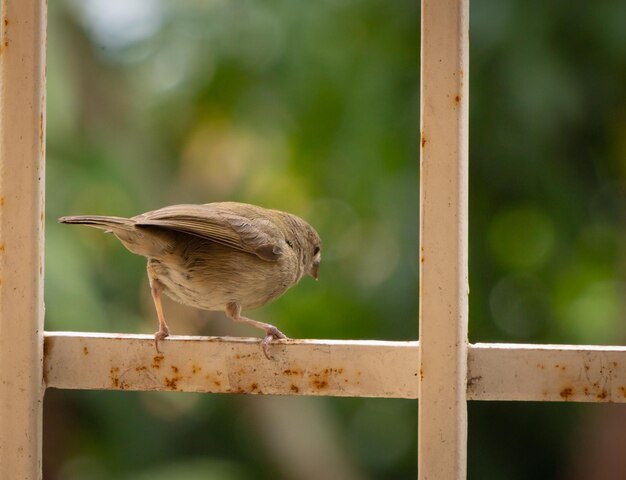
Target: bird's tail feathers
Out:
[104,222]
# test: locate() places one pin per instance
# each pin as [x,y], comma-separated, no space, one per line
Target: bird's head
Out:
[308,244]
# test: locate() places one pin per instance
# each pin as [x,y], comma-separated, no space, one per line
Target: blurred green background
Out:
[313,108]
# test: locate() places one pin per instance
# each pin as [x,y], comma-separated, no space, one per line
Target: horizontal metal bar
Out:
[231,365]
[549,373]
[327,367]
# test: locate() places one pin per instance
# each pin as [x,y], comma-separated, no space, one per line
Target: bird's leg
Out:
[164,331]
[233,310]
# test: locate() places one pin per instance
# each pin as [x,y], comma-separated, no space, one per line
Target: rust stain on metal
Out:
[317,379]
[457,99]
[141,368]
[239,356]
[319,384]
[174,369]
[472,380]
[114,377]
[47,347]
[1,201]
[195,369]
[566,393]
[6,42]
[423,141]
[85,350]
[421,374]
[602,395]
[172,383]
[623,390]
[156,361]
[254,387]
[320,380]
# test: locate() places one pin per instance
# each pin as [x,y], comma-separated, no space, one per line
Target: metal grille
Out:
[442,369]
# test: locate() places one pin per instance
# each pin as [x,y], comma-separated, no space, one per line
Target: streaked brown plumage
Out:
[218,256]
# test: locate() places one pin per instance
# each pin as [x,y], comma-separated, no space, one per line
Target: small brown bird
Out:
[222,256]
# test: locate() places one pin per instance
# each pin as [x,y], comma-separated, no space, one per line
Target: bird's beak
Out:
[315,270]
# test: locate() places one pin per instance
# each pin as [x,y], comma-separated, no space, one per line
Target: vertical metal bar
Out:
[442,431]
[22,151]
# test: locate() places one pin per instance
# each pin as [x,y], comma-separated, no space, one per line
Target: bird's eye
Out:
[289,243]
[316,250]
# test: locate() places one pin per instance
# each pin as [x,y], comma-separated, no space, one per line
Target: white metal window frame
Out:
[442,369]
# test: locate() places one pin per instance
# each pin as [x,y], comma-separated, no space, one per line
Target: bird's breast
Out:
[210,276]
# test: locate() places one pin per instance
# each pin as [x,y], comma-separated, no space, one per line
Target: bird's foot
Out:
[271,333]
[160,335]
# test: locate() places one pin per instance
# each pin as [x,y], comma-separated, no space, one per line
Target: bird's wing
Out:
[243,228]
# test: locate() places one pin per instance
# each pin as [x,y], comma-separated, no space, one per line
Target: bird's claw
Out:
[270,334]
[160,335]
